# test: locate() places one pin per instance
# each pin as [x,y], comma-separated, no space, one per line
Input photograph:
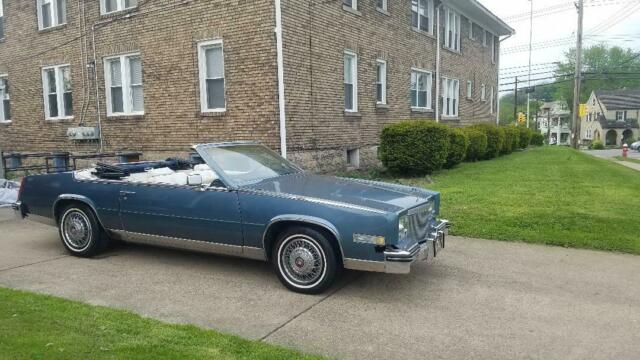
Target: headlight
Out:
[403,227]
[369,239]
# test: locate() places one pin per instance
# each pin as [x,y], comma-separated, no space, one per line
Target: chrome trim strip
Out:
[365,265]
[193,245]
[313,200]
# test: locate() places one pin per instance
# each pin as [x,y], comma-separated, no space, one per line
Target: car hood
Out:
[361,193]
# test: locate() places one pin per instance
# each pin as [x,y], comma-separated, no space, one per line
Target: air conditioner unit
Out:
[83,133]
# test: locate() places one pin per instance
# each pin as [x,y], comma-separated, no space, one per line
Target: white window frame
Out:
[485,39]
[120,6]
[354,4]
[55,21]
[469,89]
[354,81]
[2,34]
[7,96]
[492,100]
[381,65]
[202,71]
[429,74]
[483,92]
[452,43]
[430,11]
[470,29]
[59,91]
[125,83]
[623,117]
[385,5]
[451,92]
[493,48]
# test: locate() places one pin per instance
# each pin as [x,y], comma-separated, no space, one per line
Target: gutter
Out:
[438,61]
[281,99]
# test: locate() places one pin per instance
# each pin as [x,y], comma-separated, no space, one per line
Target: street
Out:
[480,299]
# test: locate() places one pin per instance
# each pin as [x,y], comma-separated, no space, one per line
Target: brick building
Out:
[158,75]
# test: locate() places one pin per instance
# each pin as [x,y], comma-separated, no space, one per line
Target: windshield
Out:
[247,164]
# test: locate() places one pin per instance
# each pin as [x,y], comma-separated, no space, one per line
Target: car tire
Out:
[305,260]
[80,232]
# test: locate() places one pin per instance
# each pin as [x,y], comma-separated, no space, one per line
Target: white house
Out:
[612,117]
[554,122]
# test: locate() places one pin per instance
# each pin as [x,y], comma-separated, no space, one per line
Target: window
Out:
[57,90]
[483,92]
[381,82]
[491,100]
[493,49]
[382,4]
[450,97]
[123,82]
[469,89]
[1,19]
[109,6]
[51,13]
[621,115]
[353,158]
[470,30]
[351,3]
[212,80]
[420,89]
[422,15]
[5,100]
[485,39]
[452,30]
[350,82]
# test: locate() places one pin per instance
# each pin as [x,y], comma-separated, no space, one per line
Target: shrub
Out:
[537,139]
[414,147]
[511,140]
[458,144]
[477,144]
[597,145]
[525,137]
[495,139]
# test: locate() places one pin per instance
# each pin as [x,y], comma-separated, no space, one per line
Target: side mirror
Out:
[194,180]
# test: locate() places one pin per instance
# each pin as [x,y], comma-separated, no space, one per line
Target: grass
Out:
[620,158]
[45,327]
[549,195]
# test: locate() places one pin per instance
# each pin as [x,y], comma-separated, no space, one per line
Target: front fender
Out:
[306,219]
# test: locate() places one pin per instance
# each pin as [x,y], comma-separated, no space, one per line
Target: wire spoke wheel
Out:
[76,230]
[302,260]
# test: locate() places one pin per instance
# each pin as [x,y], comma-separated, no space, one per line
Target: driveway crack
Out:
[34,263]
[330,294]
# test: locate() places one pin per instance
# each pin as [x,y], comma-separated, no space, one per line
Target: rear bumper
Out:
[17,210]
[400,261]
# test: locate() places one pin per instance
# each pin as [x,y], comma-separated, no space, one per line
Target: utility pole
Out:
[530,51]
[515,103]
[575,128]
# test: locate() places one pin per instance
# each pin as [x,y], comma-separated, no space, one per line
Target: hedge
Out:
[458,144]
[537,139]
[414,147]
[597,145]
[525,137]
[511,140]
[495,139]
[477,143]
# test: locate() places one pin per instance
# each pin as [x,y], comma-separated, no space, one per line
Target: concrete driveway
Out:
[480,300]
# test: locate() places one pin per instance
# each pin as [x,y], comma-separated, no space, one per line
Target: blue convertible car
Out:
[242,200]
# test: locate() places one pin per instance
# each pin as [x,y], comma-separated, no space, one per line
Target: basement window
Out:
[353,158]
[5,100]
[58,92]
[123,84]
[212,79]
[111,6]
[51,13]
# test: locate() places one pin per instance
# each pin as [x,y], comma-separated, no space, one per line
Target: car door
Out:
[166,213]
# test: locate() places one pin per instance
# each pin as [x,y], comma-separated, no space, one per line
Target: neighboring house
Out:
[554,122]
[612,117]
[155,76]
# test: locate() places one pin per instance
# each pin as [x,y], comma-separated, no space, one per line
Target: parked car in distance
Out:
[242,200]
[635,145]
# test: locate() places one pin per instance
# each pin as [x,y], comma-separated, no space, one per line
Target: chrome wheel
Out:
[302,261]
[76,230]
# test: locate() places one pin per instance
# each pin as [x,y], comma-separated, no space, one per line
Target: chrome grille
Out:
[420,219]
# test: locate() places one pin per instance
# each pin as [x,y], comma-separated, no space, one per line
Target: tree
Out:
[603,66]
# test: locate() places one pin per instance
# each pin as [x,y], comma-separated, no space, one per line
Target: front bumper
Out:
[399,261]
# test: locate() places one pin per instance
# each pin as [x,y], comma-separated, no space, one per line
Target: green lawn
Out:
[43,327]
[549,195]
[633,160]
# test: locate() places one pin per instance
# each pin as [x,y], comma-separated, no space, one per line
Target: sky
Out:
[615,22]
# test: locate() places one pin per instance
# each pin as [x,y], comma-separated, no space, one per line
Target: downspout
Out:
[281,99]
[438,62]
[95,72]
